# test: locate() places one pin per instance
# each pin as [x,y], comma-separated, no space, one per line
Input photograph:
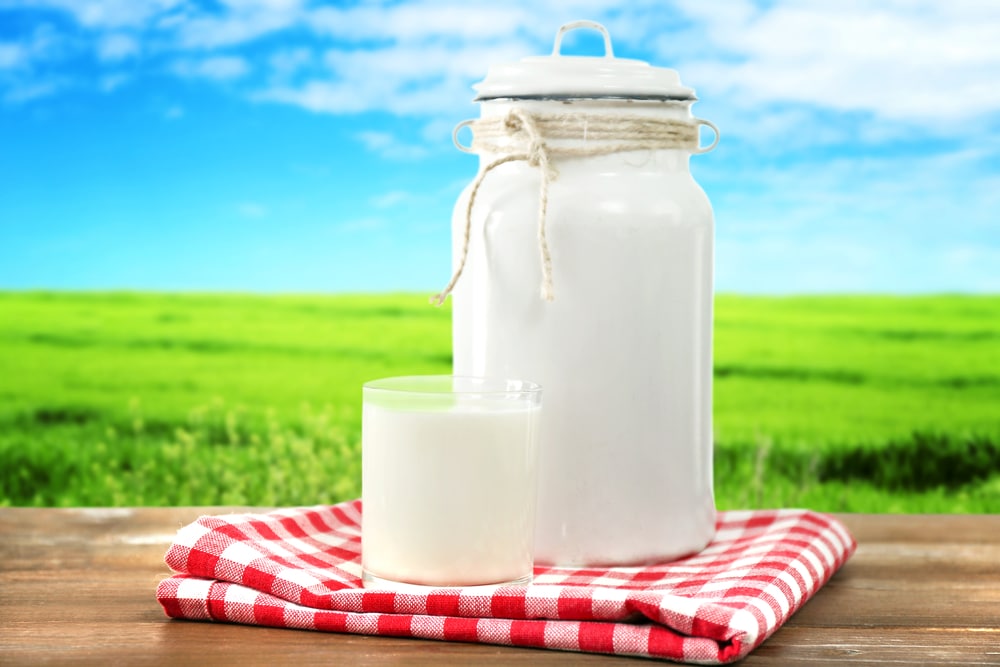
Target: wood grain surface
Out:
[77,587]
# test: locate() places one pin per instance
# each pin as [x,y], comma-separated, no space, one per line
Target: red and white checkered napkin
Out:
[301,568]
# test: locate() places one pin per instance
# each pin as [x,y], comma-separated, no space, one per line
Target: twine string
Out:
[498,135]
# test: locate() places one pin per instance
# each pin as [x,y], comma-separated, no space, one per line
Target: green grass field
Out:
[834,403]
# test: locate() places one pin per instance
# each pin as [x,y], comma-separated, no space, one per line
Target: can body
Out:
[624,351]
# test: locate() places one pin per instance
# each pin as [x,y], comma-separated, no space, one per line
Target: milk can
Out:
[583,262]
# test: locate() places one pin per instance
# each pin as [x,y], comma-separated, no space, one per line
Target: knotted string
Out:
[496,135]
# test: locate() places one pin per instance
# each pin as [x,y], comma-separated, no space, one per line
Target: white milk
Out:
[449,494]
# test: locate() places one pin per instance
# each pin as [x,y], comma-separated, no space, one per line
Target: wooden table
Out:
[76,586]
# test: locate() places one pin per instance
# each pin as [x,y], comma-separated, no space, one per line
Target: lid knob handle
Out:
[573,25]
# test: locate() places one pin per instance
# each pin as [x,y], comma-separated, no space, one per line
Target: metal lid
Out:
[566,77]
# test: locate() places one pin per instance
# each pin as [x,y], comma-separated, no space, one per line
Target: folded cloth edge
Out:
[225,602]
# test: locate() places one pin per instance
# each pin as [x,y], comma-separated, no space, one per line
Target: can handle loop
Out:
[574,25]
[699,149]
[454,136]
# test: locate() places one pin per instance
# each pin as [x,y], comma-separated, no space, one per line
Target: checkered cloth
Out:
[301,568]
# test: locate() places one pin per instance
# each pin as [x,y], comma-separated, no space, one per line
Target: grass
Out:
[837,403]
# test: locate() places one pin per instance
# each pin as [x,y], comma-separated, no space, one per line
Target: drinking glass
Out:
[448,481]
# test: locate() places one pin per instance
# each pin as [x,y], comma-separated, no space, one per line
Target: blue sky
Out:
[294,146]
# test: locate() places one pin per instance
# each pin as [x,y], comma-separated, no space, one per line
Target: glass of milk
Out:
[448,481]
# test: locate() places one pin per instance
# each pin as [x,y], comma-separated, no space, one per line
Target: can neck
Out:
[547,132]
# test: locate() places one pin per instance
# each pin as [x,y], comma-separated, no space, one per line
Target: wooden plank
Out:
[905,646]
[77,585]
[190,643]
[923,528]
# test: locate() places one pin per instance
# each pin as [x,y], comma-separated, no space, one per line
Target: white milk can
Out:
[583,261]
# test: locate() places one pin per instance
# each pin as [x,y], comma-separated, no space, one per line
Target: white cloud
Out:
[919,62]
[25,64]
[420,58]
[314,96]
[390,146]
[923,63]
[419,21]
[250,209]
[117,46]
[219,68]
[244,21]
[20,93]
[403,79]
[438,131]
[12,55]
[286,63]
[112,82]
[110,13]
[42,43]
[266,5]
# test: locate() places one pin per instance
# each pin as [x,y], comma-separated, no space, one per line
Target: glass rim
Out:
[424,384]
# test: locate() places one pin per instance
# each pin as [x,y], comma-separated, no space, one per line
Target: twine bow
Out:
[613,134]
[516,122]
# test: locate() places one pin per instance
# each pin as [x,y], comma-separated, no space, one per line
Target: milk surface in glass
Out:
[449,489]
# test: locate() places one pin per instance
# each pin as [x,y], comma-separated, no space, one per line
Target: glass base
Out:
[370,580]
